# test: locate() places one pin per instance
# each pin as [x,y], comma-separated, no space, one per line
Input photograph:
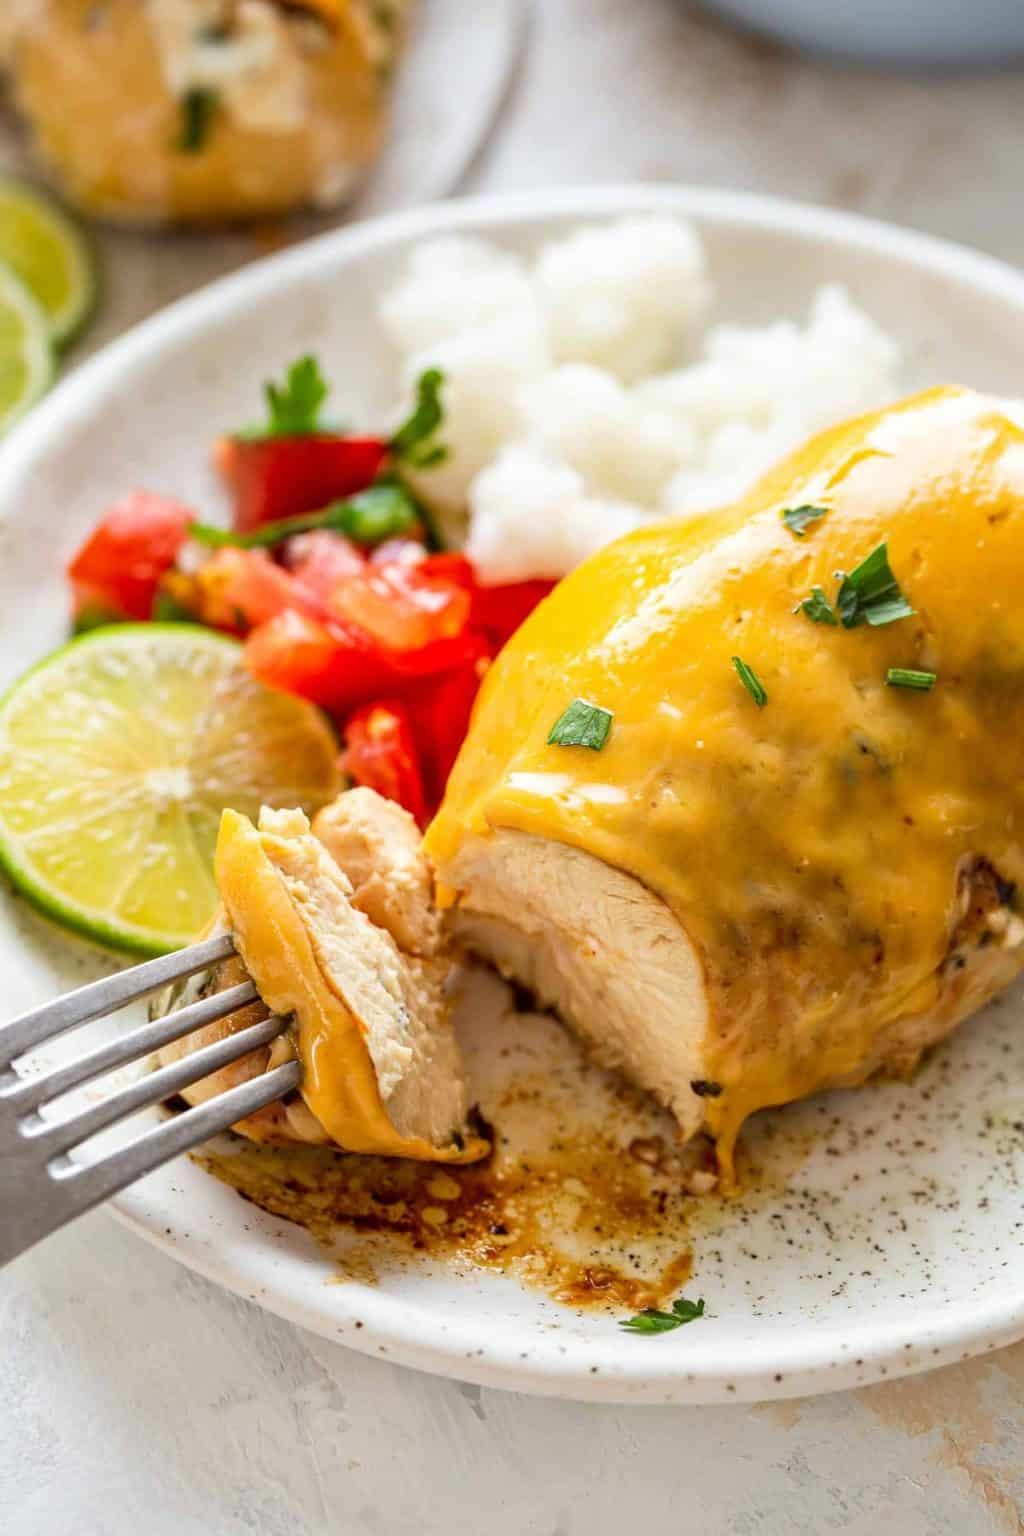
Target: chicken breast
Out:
[788,866]
[358,965]
[148,111]
[377,844]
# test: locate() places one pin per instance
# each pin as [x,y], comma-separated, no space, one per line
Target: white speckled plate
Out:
[886,1236]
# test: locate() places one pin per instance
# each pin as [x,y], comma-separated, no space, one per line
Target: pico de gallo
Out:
[331,574]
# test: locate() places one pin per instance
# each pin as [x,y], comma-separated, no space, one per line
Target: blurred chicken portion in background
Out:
[179,111]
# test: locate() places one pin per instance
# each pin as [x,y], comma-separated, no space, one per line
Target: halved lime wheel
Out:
[118,754]
[47,250]
[26,351]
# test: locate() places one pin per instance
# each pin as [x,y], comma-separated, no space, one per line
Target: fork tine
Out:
[107,996]
[27,1093]
[84,1187]
[53,1137]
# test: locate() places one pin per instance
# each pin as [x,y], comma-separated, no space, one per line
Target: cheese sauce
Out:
[813,849]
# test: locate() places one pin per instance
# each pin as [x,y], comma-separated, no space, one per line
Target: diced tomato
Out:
[240,588]
[450,569]
[500,610]
[118,568]
[380,752]
[295,654]
[277,477]
[408,610]
[328,663]
[322,560]
[441,707]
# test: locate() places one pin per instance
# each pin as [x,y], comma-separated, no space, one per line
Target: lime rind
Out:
[39,240]
[93,926]
[29,695]
[28,347]
[130,634]
[90,924]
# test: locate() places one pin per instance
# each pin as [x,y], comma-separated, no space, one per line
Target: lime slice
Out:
[118,754]
[26,352]
[50,254]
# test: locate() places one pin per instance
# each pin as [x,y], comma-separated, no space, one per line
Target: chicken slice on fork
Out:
[336,926]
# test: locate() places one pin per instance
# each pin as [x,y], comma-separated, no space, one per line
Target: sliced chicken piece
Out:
[377,844]
[594,945]
[371,1020]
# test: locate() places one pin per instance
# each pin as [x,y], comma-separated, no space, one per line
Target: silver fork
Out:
[41,1188]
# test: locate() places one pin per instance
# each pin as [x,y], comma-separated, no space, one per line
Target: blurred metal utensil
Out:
[41,1188]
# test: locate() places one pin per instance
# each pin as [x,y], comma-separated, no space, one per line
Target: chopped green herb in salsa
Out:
[415,443]
[382,511]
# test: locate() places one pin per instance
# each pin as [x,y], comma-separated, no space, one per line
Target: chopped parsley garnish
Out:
[293,408]
[799,519]
[705,1089]
[382,511]
[751,682]
[910,677]
[651,1320]
[817,608]
[414,443]
[581,725]
[871,594]
[198,108]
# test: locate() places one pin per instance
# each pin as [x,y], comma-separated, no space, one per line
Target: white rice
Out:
[565,421]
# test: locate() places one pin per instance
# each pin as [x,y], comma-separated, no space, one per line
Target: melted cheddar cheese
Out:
[813,849]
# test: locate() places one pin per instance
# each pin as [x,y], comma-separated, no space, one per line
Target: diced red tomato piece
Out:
[328,663]
[500,610]
[322,560]
[441,707]
[295,654]
[277,477]
[380,752]
[241,588]
[406,609]
[451,569]
[118,568]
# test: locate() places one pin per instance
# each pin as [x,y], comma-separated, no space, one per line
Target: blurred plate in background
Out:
[444,113]
[910,33]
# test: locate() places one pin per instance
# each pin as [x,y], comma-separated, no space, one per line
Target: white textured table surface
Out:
[136,1398]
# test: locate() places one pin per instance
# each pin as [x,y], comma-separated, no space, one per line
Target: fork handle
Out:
[37,1200]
